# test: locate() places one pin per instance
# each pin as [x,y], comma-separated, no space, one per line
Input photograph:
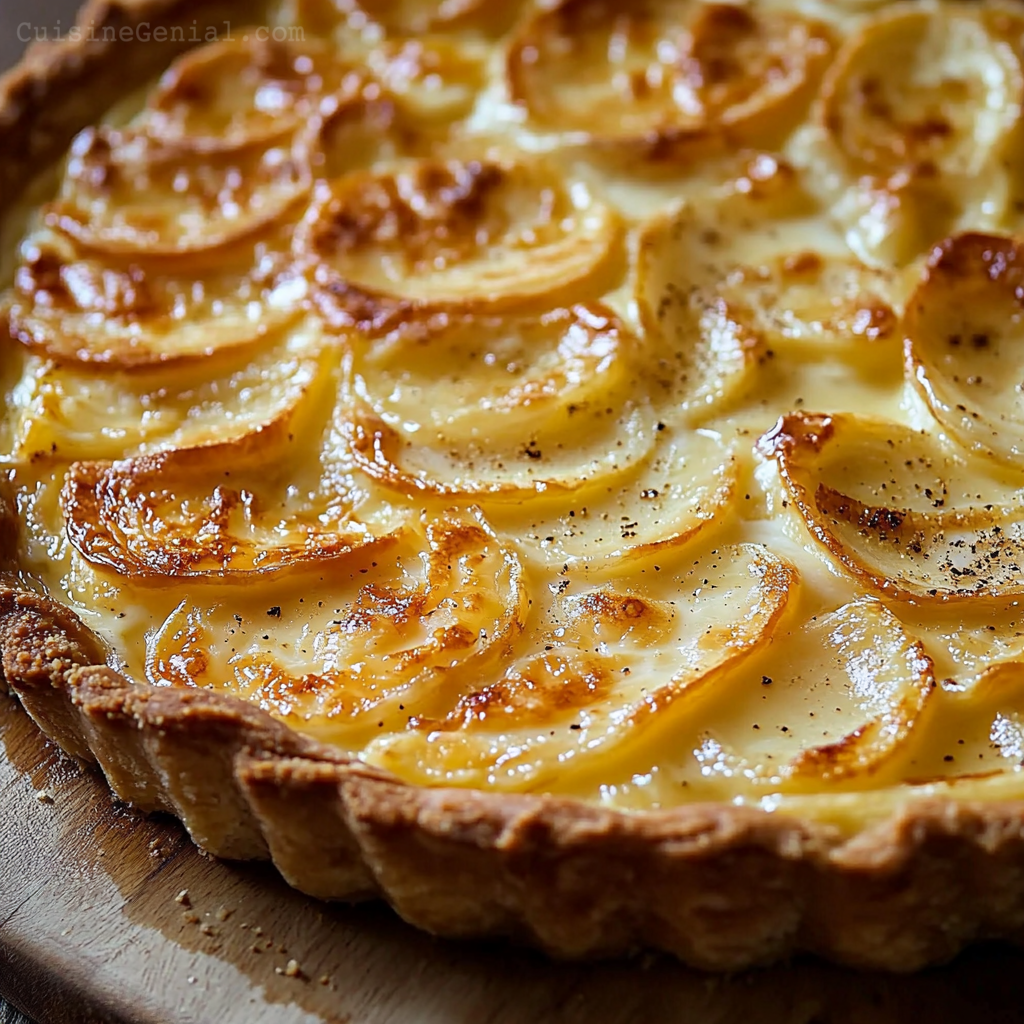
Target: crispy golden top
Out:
[616,399]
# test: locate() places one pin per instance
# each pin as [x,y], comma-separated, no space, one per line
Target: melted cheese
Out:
[593,404]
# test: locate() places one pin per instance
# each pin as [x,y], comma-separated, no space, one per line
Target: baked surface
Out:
[556,468]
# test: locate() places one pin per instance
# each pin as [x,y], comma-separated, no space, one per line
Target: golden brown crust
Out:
[721,887]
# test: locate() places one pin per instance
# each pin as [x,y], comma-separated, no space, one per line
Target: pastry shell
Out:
[719,886]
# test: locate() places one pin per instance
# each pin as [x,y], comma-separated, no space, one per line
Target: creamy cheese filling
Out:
[444,423]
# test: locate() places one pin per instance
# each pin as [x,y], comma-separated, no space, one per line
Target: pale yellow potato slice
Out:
[610,663]
[832,702]
[965,342]
[926,89]
[80,306]
[245,90]
[905,514]
[501,376]
[680,490]
[726,284]
[126,193]
[68,412]
[534,404]
[480,234]
[434,79]
[655,75]
[414,624]
[975,728]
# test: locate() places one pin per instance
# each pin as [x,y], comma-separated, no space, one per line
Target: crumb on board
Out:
[223,913]
[291,970]
[44,796]
[190,918]
[183,898]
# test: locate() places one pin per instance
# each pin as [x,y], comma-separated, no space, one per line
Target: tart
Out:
[554,467]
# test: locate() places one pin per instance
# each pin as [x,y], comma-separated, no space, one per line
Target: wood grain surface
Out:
[91,929]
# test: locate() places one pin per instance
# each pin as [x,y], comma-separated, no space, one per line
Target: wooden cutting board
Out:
[92,928]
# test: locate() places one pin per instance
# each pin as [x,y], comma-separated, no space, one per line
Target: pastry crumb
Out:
[291,970]
[183,898]
[44,796]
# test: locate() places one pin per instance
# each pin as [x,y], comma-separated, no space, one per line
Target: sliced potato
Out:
[245,91]
[833,702]
[458,234]
[976,728]
[965,342]
[926,89]
[683,487]
[905,514]
[418,623]
[216,513]
[609,665]
[656,74]
[726,284]
[78,306]
[125,193]
[433,78]
[403,17]
[502,377]
[67,412]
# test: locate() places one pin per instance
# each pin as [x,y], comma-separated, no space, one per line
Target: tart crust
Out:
[720,887]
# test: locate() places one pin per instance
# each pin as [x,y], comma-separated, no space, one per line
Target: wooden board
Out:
[90,930]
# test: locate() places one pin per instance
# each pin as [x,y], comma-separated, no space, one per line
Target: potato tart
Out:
[557,467]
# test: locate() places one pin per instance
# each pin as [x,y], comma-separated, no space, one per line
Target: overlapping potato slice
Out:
[678,491]
[65,412]
[403,17]
[433,78]
[79,306]
[652,73]
[245,90]
[975,728]
[608,664]
[905,514]
[532,403]
[965,342]
[126,193]
[412,627]
[475,233]
[833,702]
[218,512]
[725,285]
[741,277]
[926,89]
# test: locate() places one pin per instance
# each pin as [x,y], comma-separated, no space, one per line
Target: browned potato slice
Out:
[79,306]
[965,342]
[125,193]
[904,514]
[245,91]
[651,74]
[475,234]
[418,623]
[214,513]
[925,89]
[609,665]
[404,17]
